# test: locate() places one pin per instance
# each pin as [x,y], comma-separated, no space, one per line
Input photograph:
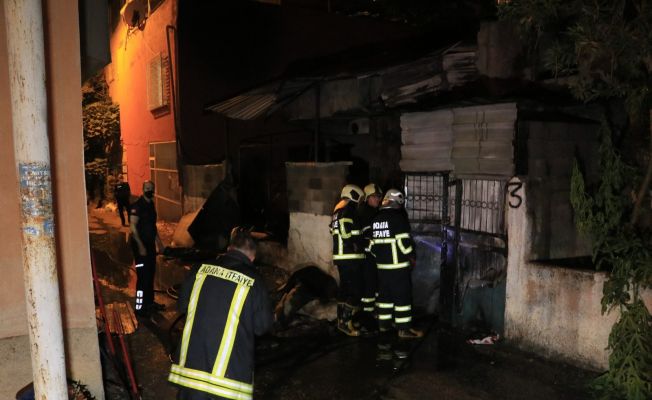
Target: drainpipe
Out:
[25,45]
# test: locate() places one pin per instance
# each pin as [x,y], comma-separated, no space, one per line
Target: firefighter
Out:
[366,212]
[227,305]
[393,248]
[348,253]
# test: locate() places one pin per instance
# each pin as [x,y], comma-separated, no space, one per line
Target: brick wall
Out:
[313,190]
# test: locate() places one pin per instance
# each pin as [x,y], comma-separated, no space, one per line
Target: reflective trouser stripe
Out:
[208,387]
[403,316]
[385,305]
[384,316]
[216,380]
[228,338]
[348,256]
[394,266]
[368,303]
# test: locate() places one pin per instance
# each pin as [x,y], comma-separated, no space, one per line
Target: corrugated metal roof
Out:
[262,101]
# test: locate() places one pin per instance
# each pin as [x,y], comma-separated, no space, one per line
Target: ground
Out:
[312,361]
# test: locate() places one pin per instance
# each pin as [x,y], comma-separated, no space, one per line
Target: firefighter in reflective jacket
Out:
[348,253]
[226,304]
[373,195]
[393,248]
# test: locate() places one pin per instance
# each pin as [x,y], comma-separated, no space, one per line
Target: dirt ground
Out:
[312,361]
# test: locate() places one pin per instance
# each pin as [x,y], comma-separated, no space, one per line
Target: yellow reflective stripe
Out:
[367,308]
[340,245]
[217,380]
[355,232]
[348,256]
[394,255]
[343,231]
[402,320]
[368,299]
[385,305]
[394,266]
[208,387]
[384,317]
[399,241]
[384,241]
[190,318]
[228,338]
[403,308]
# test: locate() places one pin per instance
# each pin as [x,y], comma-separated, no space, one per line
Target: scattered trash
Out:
[491,339]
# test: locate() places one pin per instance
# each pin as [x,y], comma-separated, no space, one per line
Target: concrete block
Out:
[294,205]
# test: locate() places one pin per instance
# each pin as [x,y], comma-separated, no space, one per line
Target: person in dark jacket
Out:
[348,253]
[373,195]
[227,305]
[122,193]
[144,241]
[392,246]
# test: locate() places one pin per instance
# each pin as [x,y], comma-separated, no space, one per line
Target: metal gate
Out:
[460,233]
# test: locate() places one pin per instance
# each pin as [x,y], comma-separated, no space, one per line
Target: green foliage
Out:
[626,251]
[604,47]
[605,44]
[102,148]
[630,342]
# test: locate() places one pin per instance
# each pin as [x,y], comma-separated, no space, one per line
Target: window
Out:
[158,85]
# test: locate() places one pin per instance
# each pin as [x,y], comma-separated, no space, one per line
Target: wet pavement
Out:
[311,360]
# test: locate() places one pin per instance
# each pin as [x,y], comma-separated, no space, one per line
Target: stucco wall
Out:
[78,309]
[550,309]
[127,79]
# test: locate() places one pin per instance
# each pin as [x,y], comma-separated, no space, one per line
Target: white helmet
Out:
[372,189]
[393,199]
[352,192]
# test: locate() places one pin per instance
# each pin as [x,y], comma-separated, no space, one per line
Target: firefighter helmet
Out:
[352,192]
[372,189]
[393,199]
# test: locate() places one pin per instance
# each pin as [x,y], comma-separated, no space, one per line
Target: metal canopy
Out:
[264,100]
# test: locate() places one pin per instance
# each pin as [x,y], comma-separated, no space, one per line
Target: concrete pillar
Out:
[25,45]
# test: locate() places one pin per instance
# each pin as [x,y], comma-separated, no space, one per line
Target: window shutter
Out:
[158,88]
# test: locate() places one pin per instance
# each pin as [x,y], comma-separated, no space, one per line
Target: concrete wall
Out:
[550,309]
[65,124]
[313,190]
[127,79]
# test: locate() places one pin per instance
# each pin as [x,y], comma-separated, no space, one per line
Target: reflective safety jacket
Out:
[391,242]
[347,236]
[227,304]
[366,214]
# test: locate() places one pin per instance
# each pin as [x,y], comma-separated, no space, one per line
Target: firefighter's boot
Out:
[410,333]
[345,320]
